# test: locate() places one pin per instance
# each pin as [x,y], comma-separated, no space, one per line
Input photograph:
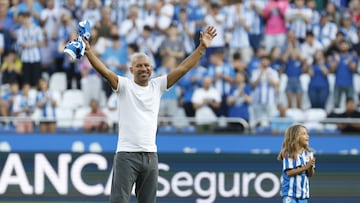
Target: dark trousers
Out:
[140,168]
[31,73]
[318,97]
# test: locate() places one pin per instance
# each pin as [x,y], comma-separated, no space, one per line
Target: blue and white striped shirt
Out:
[221,85]
[30,35]
[325,33]
[257,23]
[296,186]
[264,92]
[239,35]
[298,25]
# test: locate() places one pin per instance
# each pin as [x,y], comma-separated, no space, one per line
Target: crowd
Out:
[260,44]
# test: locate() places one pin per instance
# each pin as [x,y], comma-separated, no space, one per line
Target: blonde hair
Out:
[291,143]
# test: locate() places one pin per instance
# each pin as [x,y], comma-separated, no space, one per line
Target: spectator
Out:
[275,28]
[348,29]
[118,10]
[350,112]
[173,44]
[333,12]
[295,65]
[23,108]
[217,19]
[47,101]
[8,99]
[11,68]
[238,25]
[334,46]
[65,32]
[164,13]
[132,27]
[309,47]
[276,57]
[206,101]
[184,6]
[74,9]
[30,38]
[255,60]
[239,102]
[354,10]
[200,11]
[7,25]
[91,11]
[186,28]
[344,65]
[281,121]
[105,24]
[223,75]
[256,9]
[33,8]
[188,84]
[298,16]
[319,85]
[238,64]
[95,120]
[265,81]
[315,14]
[325,31]
[290,42]
[149,43]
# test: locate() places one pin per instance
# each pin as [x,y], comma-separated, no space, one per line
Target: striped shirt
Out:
[325,33]
[221,85]
[239,35]
[29,35]
[48,109]
[257,22]
[264,92]
[298,25]
[350,34]
[296,186]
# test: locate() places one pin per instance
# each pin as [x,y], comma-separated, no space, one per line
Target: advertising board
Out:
[201,177]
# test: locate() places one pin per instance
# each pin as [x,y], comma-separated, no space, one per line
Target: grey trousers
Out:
[140,168]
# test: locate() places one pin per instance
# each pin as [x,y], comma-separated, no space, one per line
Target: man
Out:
[136,158]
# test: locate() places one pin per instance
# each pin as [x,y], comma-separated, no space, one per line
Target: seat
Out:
[296,114]
[64,118]
[313,118]
[305,80]
[58,81]
[79,116]
[73,99]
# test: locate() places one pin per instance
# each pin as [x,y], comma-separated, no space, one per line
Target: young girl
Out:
[298,165]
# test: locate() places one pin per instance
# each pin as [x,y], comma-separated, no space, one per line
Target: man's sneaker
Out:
[75,49]
[84,29]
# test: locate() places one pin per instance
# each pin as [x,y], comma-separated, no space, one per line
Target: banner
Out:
[219,178]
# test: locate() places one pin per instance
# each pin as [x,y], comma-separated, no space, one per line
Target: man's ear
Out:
[131,70]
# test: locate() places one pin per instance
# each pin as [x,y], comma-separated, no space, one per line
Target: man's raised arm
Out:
[205,41]
[100,67]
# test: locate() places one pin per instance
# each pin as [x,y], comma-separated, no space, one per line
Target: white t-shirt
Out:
[204,114]
[138,114]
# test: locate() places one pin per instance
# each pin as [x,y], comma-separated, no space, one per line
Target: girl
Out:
[298,165]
